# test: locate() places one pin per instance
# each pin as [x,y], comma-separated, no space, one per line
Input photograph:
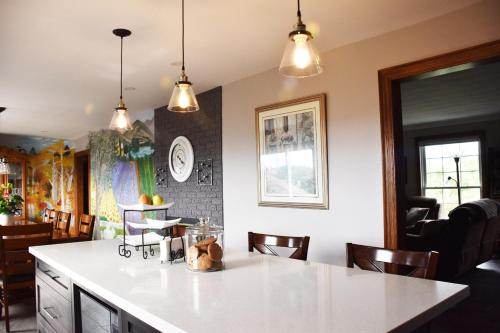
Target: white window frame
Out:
[443,141]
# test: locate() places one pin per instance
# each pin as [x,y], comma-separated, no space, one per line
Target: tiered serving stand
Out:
[148,239]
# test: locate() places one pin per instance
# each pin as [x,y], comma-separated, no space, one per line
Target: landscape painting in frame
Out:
[292,153]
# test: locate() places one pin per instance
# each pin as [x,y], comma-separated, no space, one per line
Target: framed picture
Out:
[292,165]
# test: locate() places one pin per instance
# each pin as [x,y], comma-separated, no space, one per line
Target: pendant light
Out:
[183,98]
[4,166]
[121,121]
[300,59]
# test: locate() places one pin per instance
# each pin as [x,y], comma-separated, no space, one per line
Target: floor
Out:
[22,317]
[479,313]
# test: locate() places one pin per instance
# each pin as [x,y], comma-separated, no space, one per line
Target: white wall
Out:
[354,144]
[81,143]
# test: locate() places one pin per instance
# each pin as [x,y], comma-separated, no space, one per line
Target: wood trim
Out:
[78,175]
[391,126]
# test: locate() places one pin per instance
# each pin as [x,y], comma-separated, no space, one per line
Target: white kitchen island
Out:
[255,293]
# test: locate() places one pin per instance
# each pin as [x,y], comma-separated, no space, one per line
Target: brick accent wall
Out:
[204,130]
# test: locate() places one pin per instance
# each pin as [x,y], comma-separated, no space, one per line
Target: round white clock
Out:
[181,159]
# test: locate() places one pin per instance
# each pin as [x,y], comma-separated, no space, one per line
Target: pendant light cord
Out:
[121,68]
[183,68]
[299,14]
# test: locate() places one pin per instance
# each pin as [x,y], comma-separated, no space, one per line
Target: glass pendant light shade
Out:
[4,167]
[183,98]
[300,58]
[120,121]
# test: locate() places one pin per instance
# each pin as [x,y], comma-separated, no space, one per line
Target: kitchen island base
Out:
[64,307]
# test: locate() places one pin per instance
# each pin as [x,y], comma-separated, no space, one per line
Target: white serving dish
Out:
[143,207]
[154,224]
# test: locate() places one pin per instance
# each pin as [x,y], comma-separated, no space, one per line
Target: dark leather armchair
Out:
[424,202]
[464,240]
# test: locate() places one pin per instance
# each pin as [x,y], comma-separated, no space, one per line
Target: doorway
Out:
[82,183]
[394,162]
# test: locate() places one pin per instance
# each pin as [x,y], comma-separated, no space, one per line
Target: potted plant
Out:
[10,204]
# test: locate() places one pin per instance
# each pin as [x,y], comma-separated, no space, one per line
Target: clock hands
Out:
[180,160]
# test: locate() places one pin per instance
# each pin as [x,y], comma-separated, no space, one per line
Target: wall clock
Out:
[181,159]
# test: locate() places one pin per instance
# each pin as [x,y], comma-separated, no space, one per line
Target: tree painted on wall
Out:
[102,145]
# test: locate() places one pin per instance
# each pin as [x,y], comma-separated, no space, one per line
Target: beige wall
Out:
[350,81]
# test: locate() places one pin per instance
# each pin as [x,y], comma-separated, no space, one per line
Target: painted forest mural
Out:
[122,167]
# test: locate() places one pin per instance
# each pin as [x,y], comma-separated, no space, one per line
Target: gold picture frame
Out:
[292,155]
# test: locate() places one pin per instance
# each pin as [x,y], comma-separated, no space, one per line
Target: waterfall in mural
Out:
[121,169]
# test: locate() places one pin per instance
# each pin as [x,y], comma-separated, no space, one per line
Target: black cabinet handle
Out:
[48,311]
[48,272]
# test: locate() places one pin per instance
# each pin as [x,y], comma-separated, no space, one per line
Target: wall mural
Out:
[122,167]
[49,172]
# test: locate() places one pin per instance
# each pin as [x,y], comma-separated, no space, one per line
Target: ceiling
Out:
[454,98]
[59,61]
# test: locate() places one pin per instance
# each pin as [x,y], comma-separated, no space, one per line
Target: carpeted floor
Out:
[481,311]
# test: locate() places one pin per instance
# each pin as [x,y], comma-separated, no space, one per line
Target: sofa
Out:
[464,240]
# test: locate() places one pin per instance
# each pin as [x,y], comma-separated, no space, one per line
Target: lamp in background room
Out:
[121,121]
[183,98]
[457,181]
[300,58]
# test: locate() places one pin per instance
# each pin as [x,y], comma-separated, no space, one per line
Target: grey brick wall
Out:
[204,130]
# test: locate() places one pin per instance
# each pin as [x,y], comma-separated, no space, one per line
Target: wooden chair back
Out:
[265,243]
[53,215]
[63,221]
[46,215]
[14,242]
[86,228]
[419,264]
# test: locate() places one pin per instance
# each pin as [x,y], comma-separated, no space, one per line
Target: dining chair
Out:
[266,244]
[86,228]
[46,215]
[53,215]
[17,264]
[415,264]
[63,222]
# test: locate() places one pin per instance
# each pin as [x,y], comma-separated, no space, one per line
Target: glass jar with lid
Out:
[205,245]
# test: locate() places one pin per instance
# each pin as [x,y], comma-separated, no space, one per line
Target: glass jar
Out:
[205,247]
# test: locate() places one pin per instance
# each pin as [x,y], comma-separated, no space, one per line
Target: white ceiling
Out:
[59,61]
[459,97]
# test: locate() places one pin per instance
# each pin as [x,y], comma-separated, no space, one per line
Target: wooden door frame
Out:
[76,184]
[391,124]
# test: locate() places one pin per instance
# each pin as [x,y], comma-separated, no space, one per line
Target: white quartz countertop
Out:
[255,293]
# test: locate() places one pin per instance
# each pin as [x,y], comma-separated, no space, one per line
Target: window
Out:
[439,175]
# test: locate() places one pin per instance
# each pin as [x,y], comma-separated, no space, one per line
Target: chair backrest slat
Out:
[53,215]
[422,264]
[263,243]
